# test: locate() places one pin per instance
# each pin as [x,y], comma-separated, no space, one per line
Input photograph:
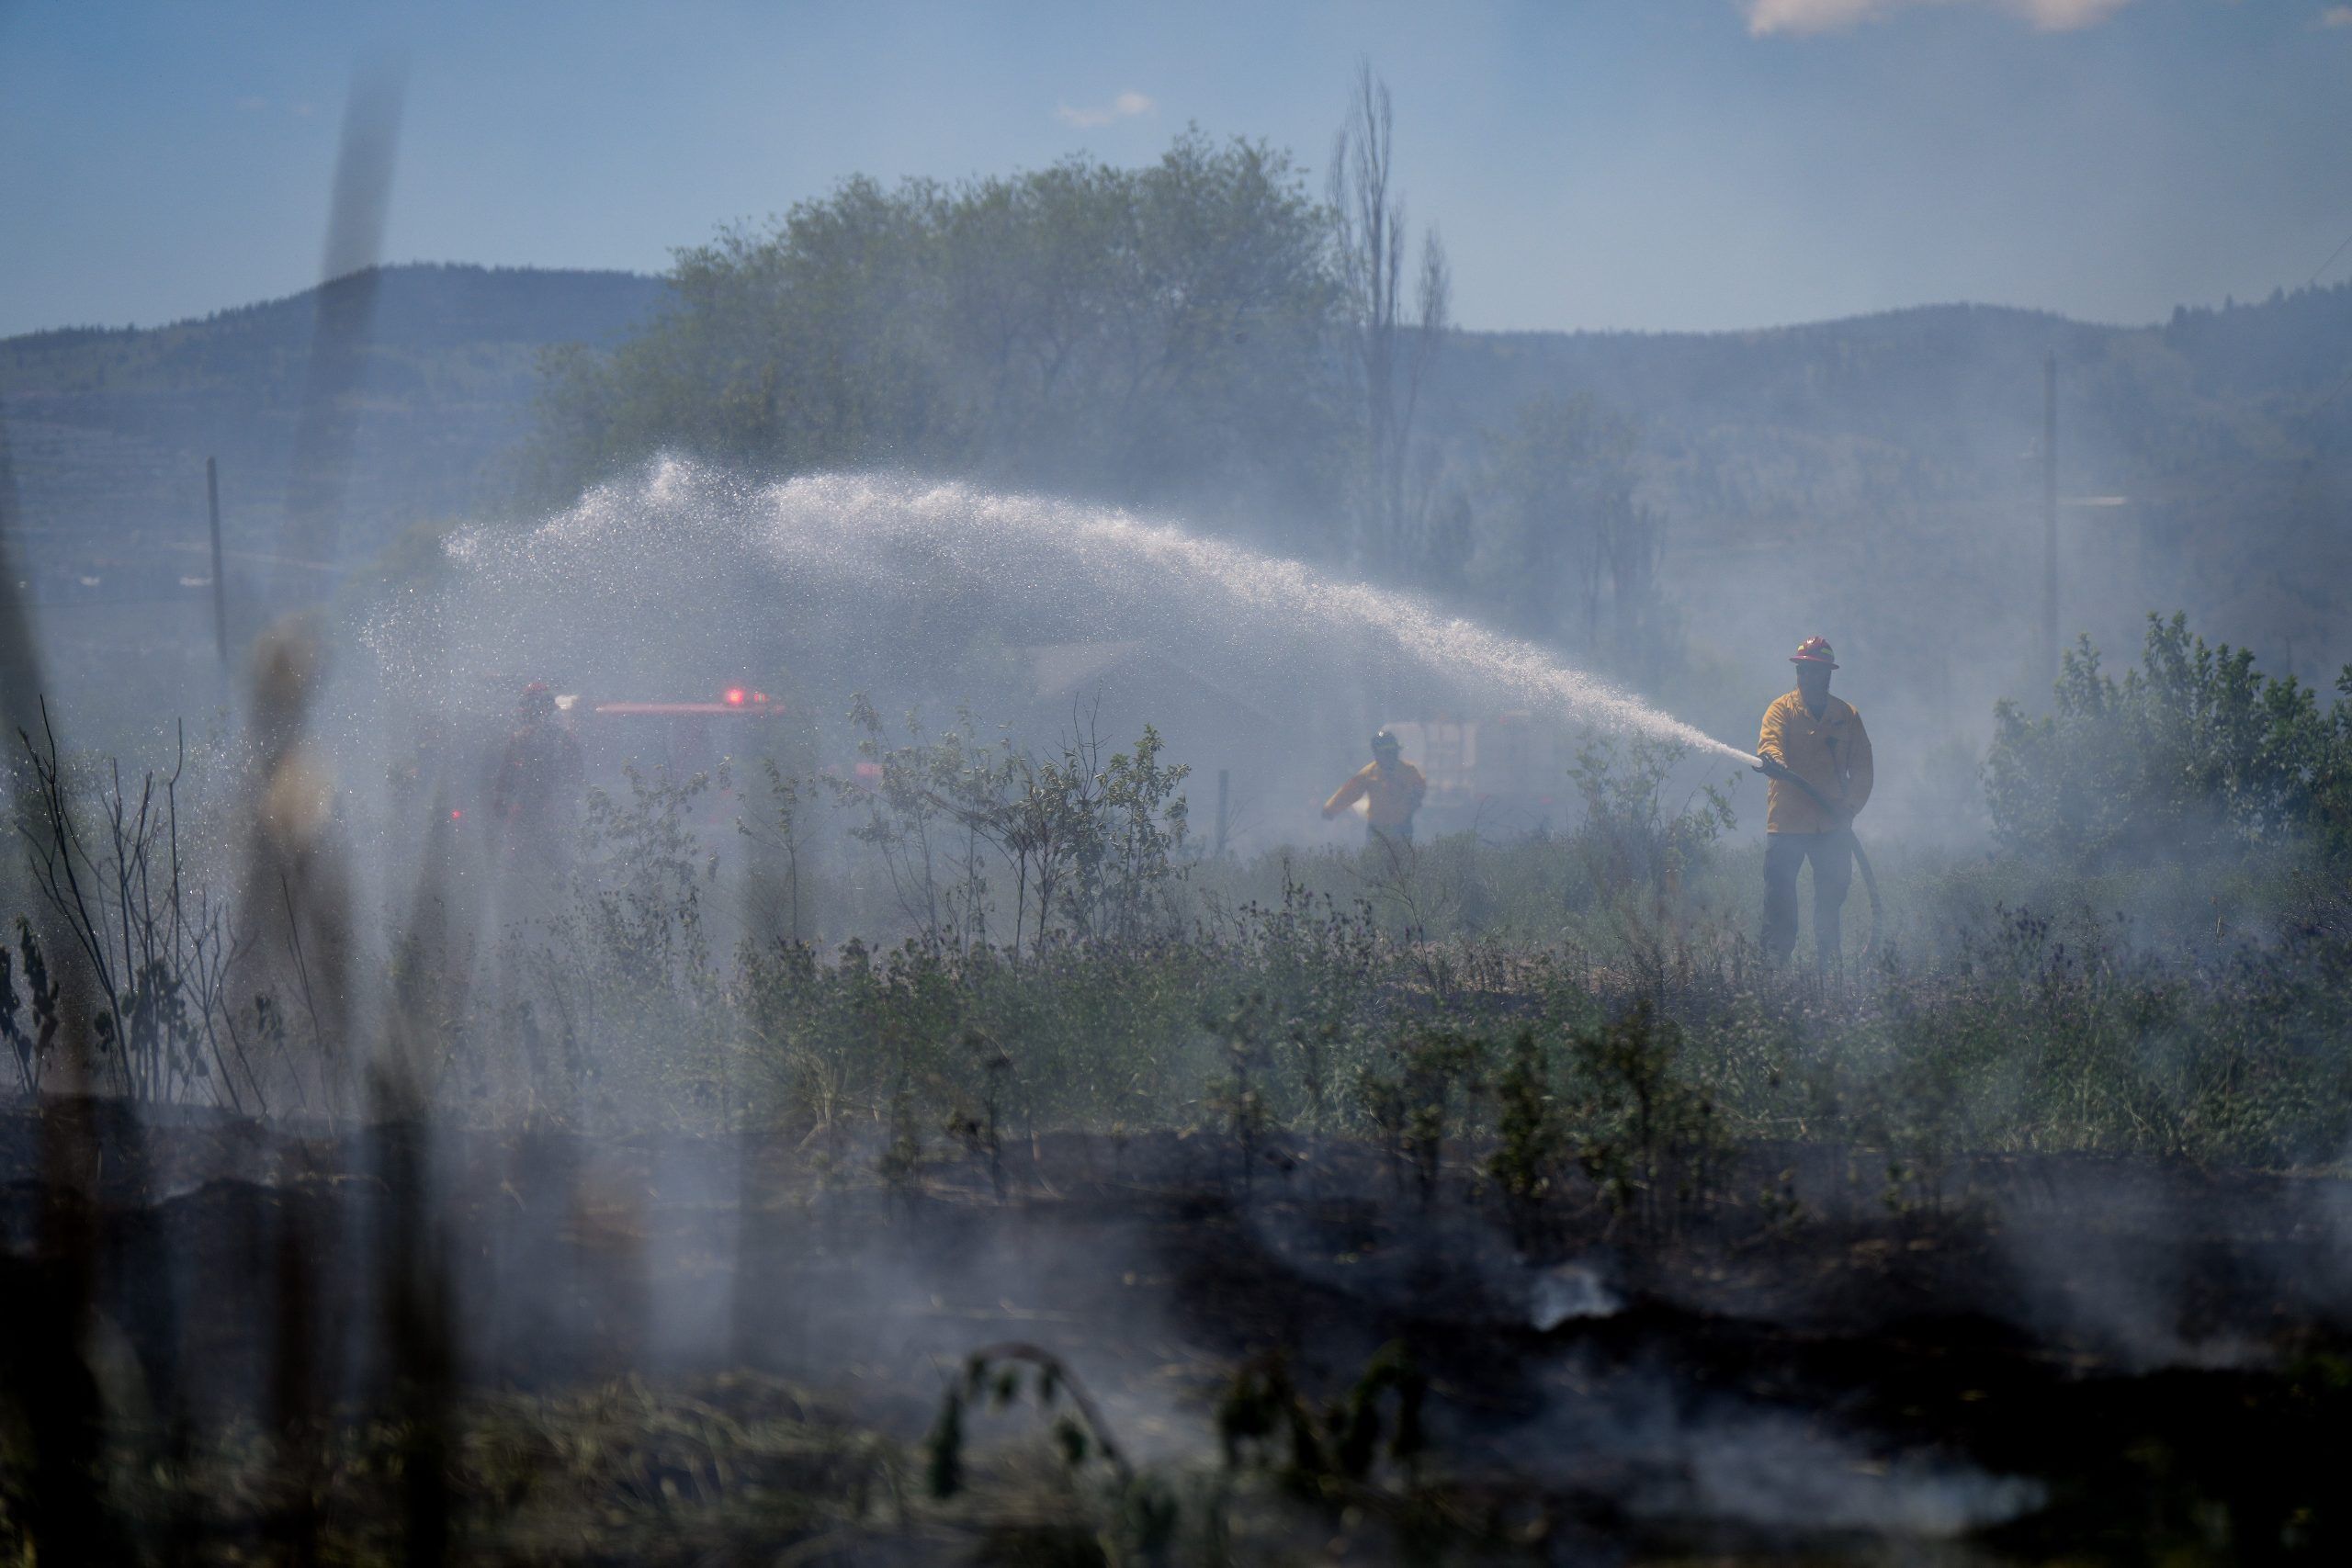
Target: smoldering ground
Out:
[1877,1381]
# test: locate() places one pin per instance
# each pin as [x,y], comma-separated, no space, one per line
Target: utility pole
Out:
[219,589]
[2049,513]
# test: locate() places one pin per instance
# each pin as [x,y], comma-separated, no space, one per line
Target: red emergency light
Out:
[733,700]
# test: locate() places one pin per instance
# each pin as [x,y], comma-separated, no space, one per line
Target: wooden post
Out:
[1223,793]
[220,588]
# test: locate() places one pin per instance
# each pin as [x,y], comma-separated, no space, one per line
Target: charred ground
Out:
[693,1348]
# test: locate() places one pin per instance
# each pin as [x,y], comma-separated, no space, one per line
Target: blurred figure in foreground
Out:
[535,792]
[1817,755]
[295,887]
[1391,789]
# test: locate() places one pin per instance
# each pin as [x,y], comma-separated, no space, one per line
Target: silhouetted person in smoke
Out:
[295,890]
[536,789]
[1391,789]
[1817,755]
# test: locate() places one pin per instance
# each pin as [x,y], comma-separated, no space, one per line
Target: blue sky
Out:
[1643,163]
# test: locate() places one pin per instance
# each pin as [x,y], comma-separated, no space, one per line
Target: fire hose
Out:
[1772,770]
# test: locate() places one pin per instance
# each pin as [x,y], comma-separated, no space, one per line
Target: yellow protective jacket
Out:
[1391,793]
[1829,750]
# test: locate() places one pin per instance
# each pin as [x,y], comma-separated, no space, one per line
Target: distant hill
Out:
[1881,474]
[108,428]
[1931,403]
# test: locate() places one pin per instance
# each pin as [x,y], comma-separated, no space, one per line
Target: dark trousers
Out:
[1832,874]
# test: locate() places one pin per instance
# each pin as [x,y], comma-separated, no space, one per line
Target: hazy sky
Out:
[1655,164]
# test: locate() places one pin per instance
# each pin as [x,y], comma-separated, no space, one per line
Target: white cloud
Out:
[2337,16]
[1806,15]
[1127,106]
[1830,16]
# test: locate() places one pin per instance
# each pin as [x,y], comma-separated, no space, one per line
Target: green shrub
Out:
[2195,754]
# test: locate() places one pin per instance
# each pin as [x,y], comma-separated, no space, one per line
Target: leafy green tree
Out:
[1152,335]
[797,349]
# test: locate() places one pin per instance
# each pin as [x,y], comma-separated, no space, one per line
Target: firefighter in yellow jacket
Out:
[1819,740]
[1391,789]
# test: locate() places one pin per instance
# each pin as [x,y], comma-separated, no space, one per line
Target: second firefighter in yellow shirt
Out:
[1390,788]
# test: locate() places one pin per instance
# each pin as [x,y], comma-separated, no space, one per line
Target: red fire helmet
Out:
[1813,650]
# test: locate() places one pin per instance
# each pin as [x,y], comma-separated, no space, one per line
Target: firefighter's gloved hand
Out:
[1770,769]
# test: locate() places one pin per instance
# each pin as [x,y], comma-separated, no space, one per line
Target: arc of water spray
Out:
[874,529]
[1285,589]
